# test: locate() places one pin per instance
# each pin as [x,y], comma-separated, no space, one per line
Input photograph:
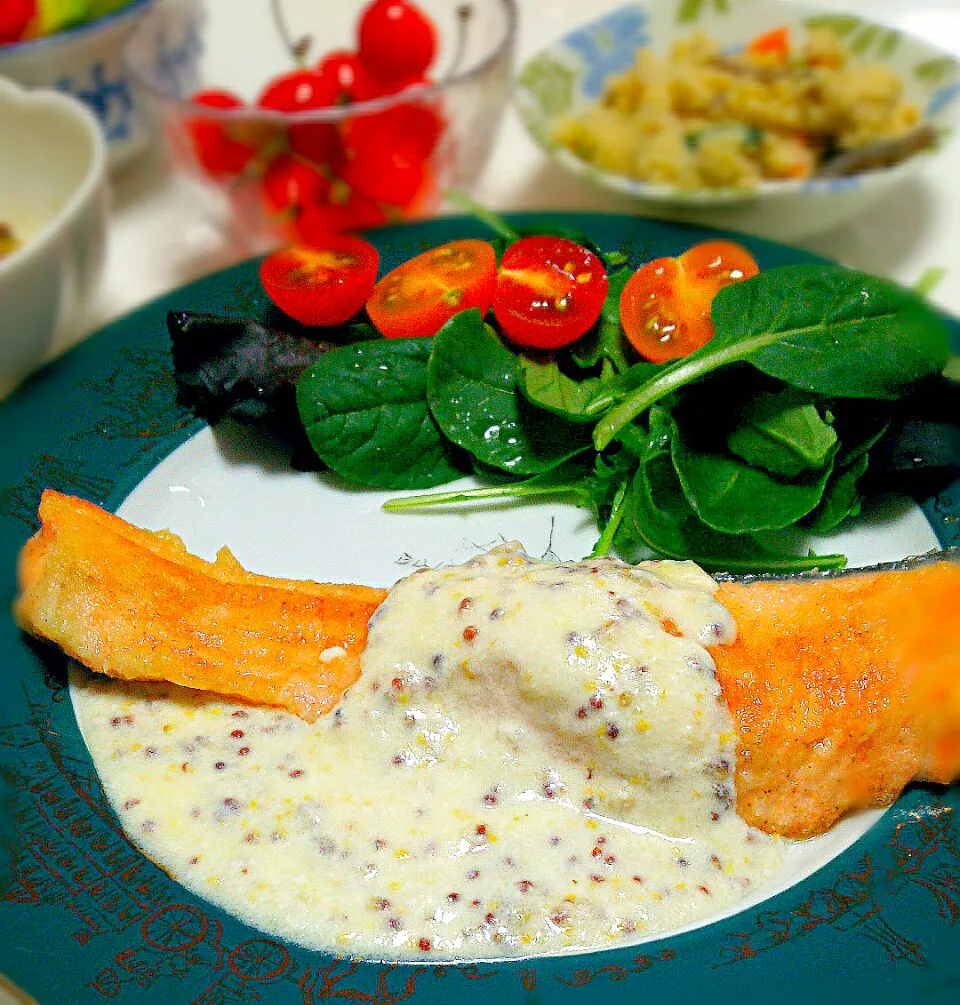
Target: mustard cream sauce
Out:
[537,757]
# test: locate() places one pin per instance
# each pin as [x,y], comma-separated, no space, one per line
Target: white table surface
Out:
[159,240]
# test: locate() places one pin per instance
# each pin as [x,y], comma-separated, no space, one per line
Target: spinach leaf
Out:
[545,385]
[859,428]
[364,408]
[472,388]
[735,498]
[658,520]
[841,497]
[605,340]
[821,328]
[782,432]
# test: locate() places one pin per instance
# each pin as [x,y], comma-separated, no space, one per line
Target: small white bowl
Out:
[87,62]
[569,75]
[53,194]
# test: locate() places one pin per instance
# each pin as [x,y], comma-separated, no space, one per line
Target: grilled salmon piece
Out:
[136,605]
[843,687]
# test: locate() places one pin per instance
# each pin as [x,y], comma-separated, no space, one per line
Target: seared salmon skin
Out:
[136,605]
[843,688]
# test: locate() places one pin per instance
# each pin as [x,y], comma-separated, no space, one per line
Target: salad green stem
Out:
[496,223]
[400,504]
[684,371]
[929,280]
[605,541]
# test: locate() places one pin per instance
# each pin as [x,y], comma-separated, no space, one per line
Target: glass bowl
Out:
[373,153]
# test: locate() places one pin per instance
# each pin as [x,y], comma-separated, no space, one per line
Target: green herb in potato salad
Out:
[765,397]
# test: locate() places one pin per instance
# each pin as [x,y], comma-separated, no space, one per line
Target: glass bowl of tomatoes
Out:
[310,119]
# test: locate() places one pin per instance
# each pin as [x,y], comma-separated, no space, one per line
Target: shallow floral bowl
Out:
[53,200]
[86,61]
[570,75]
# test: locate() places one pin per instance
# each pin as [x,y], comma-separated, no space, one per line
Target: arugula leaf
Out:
[472,388]
[812,326]
[364,408]
[545,385]
[783,433]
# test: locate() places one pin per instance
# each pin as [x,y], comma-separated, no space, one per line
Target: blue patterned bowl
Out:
[570,75]
[86,62]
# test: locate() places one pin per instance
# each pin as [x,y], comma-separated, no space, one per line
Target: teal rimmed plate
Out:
[87,918]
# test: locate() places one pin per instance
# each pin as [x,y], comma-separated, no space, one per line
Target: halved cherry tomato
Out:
[665,306]
[418,297]
[549,291]
[397,40]
[321,286]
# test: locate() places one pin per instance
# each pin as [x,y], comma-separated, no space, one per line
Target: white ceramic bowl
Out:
[87,62]
[53,194]
[570,74]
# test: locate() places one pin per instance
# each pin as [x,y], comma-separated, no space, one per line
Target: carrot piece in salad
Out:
[771,43]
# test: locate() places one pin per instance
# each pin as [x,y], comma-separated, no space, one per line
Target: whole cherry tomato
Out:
[549,291]
[352,78]
[414,126]
[321,286]
[343,209]
[290,185]
[304,91]
[665,306]
[418,297]
[384,171]
[15,18]
[397,40]
[299,91]
[220,154]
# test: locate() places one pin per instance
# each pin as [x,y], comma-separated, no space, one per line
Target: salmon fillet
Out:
[843,689]
[134,604]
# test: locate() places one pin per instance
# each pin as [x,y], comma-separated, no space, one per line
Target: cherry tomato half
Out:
[549,291]
[321,286]
[418,297]
[397,40]
[665,306]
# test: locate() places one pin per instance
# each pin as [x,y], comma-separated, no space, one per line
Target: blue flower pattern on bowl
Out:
[177,64]
[108,97]
[608,46]
[942,98]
